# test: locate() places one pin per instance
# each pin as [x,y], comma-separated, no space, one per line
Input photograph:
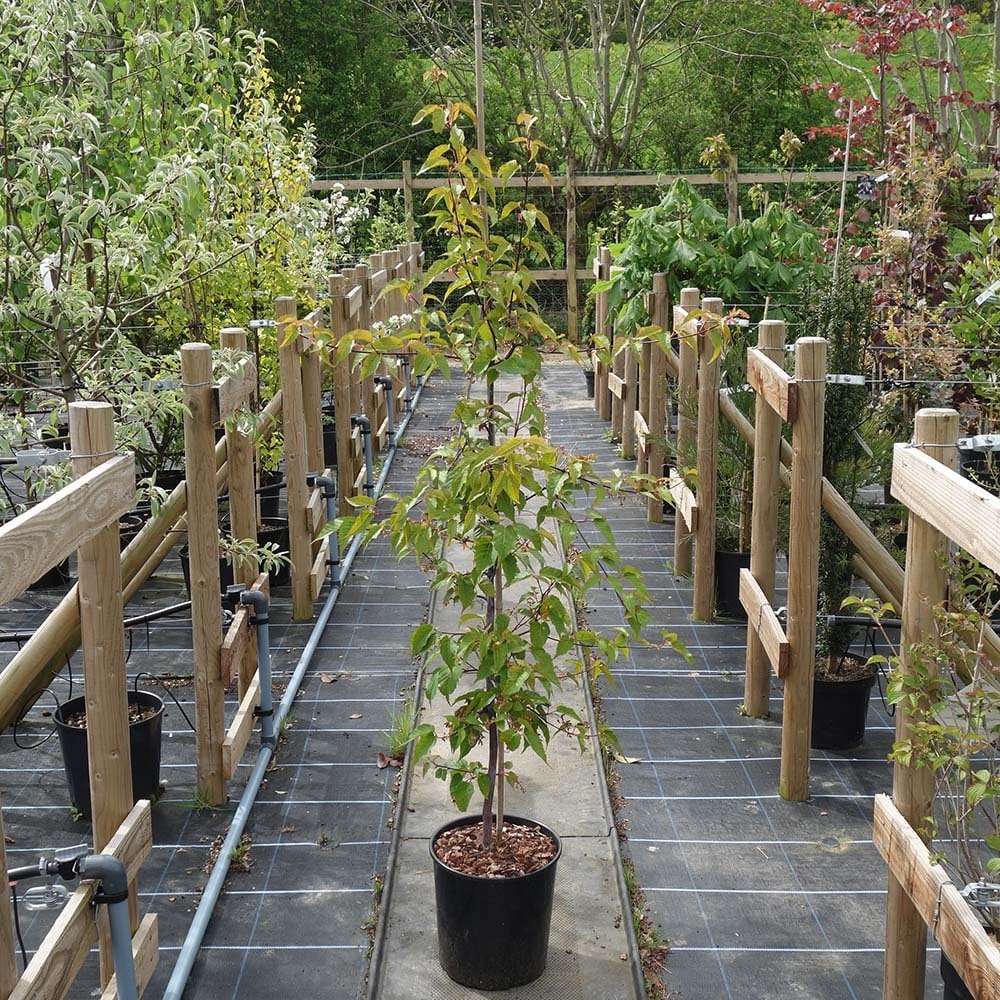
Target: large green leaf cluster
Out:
[772,255]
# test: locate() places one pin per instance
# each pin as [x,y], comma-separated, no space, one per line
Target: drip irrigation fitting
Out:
[109,872]
[385,383]
[407,402]
[357,420]
[213,888]
[313,480]
[258,600]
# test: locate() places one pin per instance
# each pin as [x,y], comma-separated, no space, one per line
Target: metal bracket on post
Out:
[357,420]
[258,600]
[313,480]
[384,382]
[407,399]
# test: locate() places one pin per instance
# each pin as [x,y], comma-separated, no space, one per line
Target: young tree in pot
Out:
[842,313]
[491,518]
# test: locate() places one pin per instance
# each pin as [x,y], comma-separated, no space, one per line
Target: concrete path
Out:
[588,951]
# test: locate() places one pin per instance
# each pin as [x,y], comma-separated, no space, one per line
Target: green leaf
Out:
[421,640]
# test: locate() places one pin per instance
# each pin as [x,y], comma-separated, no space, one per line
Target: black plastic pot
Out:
[329,437]
[144,739]
[131,523]
[58,576]
[588,374]
[493,933]
[225,570]
[169,479]
[270,493]
[727,583]
[954,987]
[273,530]
[840,711]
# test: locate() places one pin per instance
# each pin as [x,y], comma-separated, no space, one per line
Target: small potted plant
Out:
[491,518]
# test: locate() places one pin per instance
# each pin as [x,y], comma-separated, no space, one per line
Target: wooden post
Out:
[369,394]
[342,395]
[602,396]
[408,196]
[803,565]
[293,423]
[709,374]
[239,456]
[572,310]
[687,426]
[390,261]
[731,183]
[925,587]
[92,440]
[657,422]
[242,502]
[645,366]
[203,548]
[764,530]
[312,406]
[629,396]
[617,397]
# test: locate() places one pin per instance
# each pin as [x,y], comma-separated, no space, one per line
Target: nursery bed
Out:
[758,897]
[296,922]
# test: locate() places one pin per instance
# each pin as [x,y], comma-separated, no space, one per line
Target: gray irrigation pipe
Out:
[216,881]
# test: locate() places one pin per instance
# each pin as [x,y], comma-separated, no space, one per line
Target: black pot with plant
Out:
[145,734]
[474,948]
[519,638]
[272,536]
[735,473]
[842,313]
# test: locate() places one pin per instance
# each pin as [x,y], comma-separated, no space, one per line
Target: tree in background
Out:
[615,82]
[356,73]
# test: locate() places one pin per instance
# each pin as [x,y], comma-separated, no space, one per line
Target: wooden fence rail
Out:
[83,516]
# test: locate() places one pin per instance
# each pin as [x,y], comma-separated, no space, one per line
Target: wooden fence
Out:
[944,509]
[83,517]
[570,184]
[688,385]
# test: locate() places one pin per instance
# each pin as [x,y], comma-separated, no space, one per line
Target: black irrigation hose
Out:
[17,924]
[20,719]
[173,697]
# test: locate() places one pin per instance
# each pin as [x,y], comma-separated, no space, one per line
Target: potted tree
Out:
[842,685]
[491,517]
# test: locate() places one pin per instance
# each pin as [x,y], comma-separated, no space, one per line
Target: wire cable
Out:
[173,698]
[17,924]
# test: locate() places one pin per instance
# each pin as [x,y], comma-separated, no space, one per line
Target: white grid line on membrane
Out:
[765,892]
[743,798]
[265,844]
[319,891]
[185,803]
[747,843]
[735,949]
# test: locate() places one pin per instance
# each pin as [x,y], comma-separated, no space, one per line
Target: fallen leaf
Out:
[327,678]
[383,760]
[357,715]
[622,759]
[287,829]
[9,840]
